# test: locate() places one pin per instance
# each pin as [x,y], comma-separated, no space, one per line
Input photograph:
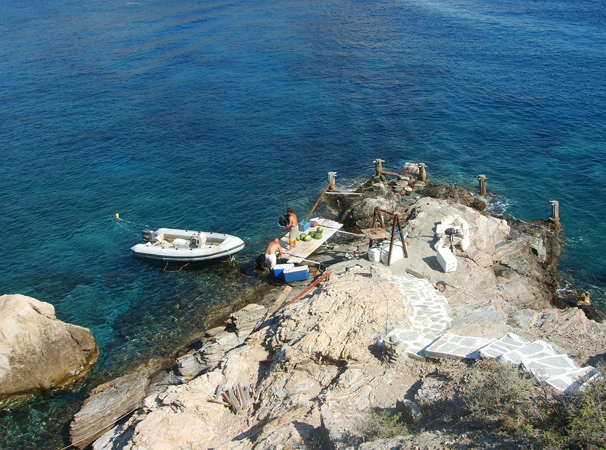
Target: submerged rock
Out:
[37,351]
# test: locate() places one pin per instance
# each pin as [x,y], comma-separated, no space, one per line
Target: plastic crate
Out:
[296,274]
[304,225]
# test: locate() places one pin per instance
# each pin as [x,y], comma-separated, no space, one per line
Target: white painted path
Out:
[427,337]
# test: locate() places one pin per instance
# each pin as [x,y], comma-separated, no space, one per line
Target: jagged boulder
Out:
[453,193]
[360,211]
[238,327]
[345,320]
[37,351]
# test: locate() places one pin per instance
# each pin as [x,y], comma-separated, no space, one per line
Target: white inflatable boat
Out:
[168,244]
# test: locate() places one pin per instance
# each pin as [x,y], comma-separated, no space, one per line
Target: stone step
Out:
[547,364]
[573,380]
[451,346]
[535,350]
[507,343]
[431,318]
[413,342]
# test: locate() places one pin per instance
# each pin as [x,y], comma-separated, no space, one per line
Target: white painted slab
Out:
[457,347]
[534,350]
[501,346]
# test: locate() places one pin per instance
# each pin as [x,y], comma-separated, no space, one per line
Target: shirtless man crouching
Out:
[270,254]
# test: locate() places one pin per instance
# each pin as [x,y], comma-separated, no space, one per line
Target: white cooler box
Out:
[397,253]
[280,268]
[447,260]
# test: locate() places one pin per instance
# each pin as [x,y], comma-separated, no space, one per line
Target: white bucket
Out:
[374,254]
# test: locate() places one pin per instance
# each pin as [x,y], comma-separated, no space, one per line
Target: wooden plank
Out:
[359,194]
[416,274]
[304,249]
[234,401]
[376,233]
[280,300]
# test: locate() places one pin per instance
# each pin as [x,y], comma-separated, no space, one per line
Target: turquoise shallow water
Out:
[217,115]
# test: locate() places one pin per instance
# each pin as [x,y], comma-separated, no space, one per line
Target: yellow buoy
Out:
[117,216]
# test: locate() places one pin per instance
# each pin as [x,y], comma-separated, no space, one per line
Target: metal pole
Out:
[402,236]
[393,236]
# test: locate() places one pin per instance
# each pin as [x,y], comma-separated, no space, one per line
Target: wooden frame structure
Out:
[378,231]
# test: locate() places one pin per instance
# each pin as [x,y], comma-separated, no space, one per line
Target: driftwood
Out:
[237,397]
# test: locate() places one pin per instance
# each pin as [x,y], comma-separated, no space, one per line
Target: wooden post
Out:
[396,220]
[482,179]
[378,217]
[331,180]
[422,172]
[555,211]
[379,166]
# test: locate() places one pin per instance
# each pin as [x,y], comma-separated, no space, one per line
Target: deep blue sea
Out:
[217,115]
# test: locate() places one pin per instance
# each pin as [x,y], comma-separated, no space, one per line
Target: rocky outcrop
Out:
[357,212]
[453,194]
[314,349]
[317,368]
[37,351]
[497,268]
[347,317]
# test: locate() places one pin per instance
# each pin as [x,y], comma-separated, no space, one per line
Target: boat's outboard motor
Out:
[148,236]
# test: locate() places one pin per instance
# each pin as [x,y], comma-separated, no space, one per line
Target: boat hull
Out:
[217,246]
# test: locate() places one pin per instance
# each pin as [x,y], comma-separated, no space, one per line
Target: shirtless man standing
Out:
[293,224]
[270,254]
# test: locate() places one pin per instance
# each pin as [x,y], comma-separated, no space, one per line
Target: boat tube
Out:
[169,244]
